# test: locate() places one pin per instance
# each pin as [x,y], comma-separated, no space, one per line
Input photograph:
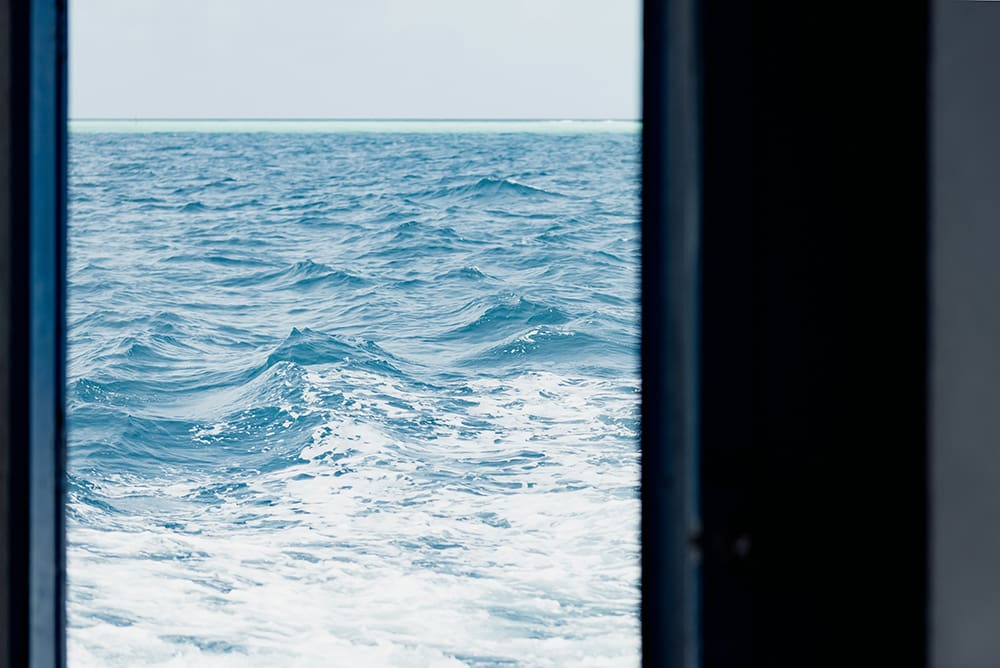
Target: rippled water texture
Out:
[353,398]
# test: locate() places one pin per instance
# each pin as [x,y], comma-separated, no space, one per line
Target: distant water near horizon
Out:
[353,395]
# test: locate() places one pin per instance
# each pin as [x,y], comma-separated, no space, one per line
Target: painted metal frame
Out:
[35,224]
[671,224]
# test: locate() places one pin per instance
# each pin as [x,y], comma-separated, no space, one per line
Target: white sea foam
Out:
[375,550]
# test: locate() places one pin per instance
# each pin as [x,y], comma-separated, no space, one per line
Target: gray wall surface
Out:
[964,423]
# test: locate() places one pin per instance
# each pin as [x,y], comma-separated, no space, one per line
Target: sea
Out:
[353,393]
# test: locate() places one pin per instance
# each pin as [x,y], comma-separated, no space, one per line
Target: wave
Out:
[507,315]
[300,206]
[307,347]
[551,346]
[472,273]
[490,190]
[298,275]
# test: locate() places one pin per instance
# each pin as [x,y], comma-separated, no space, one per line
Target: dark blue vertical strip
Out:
[19,339]
[60,221]
[46,170]
[670,322]
[62,227]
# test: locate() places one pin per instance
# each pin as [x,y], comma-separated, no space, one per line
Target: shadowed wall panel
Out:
[965,335]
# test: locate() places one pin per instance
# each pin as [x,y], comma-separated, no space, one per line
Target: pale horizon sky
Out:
[354,59]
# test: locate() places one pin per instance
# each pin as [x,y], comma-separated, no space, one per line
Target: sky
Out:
[354,58]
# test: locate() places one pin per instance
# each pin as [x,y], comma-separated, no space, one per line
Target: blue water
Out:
[343,398]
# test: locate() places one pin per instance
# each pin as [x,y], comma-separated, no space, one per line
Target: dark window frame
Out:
[845,124]
[32,429]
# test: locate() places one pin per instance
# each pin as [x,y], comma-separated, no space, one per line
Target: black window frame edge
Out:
[32,436]
[669,355]
[785,333]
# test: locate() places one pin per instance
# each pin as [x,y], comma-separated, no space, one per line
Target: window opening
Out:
[353,391]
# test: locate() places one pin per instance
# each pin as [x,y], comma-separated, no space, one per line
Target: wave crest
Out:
[491,189]
[307,347]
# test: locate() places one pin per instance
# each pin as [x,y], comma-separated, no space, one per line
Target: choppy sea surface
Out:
[353,395]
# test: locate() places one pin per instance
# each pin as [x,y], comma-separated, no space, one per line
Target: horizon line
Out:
[350,119]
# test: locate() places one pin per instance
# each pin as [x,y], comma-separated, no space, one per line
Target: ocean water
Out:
[353,395]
